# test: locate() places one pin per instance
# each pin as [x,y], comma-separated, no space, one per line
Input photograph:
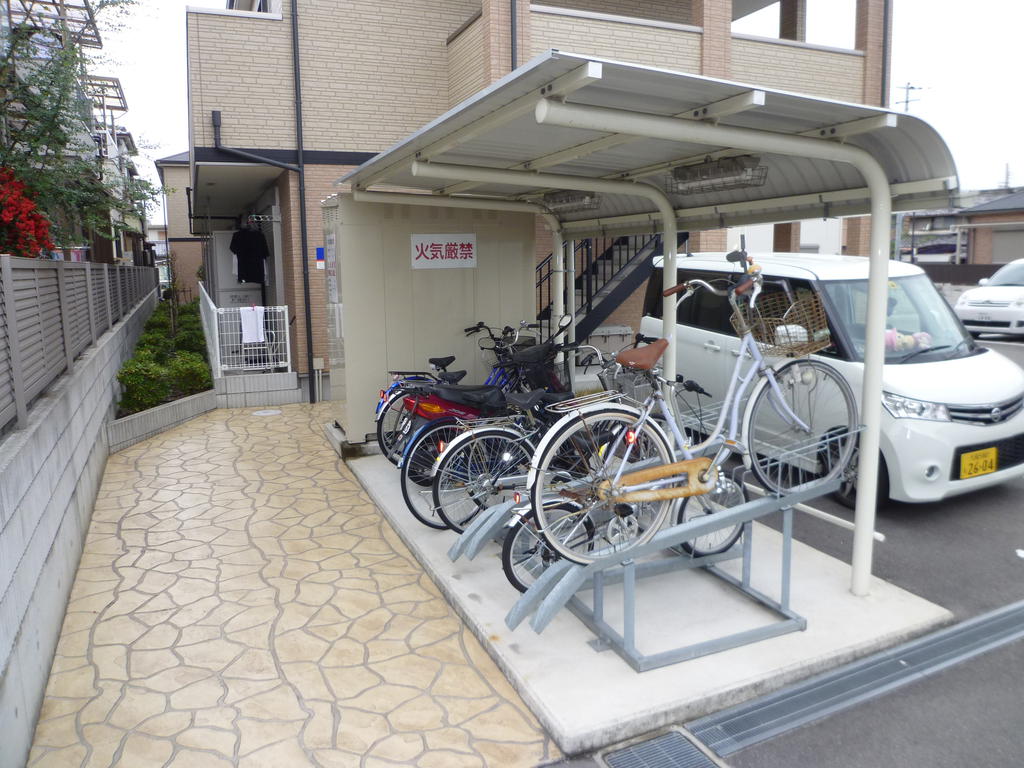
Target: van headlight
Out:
[908,408]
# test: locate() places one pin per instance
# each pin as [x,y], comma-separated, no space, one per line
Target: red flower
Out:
[24,231]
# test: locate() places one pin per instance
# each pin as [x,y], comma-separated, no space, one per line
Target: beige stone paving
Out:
[240,601]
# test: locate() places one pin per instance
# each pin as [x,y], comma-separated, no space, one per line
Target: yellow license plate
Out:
[979,462]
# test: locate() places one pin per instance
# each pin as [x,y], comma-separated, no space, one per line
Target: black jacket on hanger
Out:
[250,249]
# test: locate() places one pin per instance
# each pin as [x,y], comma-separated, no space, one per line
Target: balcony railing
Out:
[51,312]
[237,342]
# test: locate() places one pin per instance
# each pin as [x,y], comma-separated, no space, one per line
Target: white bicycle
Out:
[624,475]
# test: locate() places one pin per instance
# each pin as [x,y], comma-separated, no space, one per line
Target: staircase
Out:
[608,271]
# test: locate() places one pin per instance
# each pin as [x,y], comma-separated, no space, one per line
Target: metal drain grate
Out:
[741,726]
[670,750]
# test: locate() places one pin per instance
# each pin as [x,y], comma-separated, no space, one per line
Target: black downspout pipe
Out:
[512,4]
[886,42]
[302,198]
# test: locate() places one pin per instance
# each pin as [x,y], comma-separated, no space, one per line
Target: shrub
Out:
[157,343]
[145,383]
[191,340]
[189,310]
[189,373]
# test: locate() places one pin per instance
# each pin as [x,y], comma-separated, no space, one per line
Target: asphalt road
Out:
[963,554]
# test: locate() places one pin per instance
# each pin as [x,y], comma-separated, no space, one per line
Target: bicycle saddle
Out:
[642,358]
[483,397]
[451,377]
[441,362]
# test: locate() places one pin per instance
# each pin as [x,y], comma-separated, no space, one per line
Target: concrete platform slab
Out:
[588,699]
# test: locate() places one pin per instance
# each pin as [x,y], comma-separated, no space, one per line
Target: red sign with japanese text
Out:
[444,251]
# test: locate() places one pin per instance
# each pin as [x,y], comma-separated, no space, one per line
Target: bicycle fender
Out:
[470,434]
[629,410]
[415,436]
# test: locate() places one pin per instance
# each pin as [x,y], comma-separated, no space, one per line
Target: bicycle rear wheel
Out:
[525,553]
[394,424]
[584,452]
[481,470]
[417,466]
[804,432]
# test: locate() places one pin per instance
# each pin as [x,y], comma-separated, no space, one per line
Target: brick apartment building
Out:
[368,74]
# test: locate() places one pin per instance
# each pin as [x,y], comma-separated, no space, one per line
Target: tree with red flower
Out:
[24,231]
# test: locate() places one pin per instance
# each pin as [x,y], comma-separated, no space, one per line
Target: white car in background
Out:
[953,415]
[997,305]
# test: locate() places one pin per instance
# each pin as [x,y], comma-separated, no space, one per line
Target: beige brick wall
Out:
[671,49]
[374,72]
[657,10]
[369,77]
[176,179]
[829,74]
[241,66]
[467,72]
[187,258]
[869,35]
[715,18]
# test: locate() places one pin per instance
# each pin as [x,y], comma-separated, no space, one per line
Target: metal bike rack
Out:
[556,588]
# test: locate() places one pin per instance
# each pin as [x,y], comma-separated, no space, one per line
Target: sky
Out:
[964,69]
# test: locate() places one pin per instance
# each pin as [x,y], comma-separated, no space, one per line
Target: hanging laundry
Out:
[252,325]
[250,249]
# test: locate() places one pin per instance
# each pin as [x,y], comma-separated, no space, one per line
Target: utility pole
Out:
[906,100]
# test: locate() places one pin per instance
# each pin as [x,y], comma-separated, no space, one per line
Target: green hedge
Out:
[167,364]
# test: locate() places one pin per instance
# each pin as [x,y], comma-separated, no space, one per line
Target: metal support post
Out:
[65,314]
[90,302]
[106,292]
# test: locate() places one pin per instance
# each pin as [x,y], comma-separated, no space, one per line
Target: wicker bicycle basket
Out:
[783,328]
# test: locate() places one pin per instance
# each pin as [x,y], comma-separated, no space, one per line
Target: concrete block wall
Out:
[49,475]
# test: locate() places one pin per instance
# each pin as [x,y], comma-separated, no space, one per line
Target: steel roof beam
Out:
[713,111]
[854,127]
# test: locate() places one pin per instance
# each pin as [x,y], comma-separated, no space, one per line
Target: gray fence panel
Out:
[77,313]
[40,311]
[99,299]
[8,408]
[38,331]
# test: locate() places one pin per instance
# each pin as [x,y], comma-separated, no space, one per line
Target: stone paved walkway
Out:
[241,602]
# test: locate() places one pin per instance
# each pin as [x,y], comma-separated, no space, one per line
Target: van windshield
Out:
[920,327]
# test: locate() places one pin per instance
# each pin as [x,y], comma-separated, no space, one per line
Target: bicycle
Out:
[533,365]
[618,464]
[398,405]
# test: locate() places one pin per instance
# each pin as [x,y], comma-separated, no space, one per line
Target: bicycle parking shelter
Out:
[569,122]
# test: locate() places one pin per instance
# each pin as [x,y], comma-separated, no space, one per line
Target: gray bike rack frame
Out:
[557,586]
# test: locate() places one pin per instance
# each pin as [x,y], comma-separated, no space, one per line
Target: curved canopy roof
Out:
[497,128]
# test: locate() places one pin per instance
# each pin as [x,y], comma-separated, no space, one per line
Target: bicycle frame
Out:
[720,438]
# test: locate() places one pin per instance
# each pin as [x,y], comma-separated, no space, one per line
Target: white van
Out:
[952,420]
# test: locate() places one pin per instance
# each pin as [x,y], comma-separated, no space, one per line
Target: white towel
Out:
[252,325]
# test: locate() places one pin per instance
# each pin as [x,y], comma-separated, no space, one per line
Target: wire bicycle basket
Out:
[784,328]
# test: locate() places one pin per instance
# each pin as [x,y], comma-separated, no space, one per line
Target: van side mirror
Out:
[983,281]
[736,257]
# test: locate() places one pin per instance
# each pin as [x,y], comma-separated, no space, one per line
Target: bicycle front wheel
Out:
[726,493]
[576,464]
[417,466]
[801,426]
[482,469]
